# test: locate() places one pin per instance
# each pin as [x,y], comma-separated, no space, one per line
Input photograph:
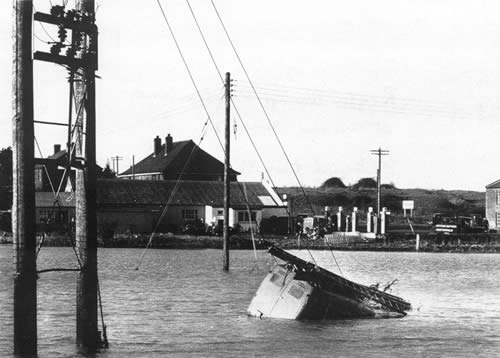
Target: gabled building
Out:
[169,159]
[49,171]
[493,205]
[136,206]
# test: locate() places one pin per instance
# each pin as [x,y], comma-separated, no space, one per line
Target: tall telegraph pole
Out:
[80,58]
[225,245]
[380,152]
[23,208]
[86,219]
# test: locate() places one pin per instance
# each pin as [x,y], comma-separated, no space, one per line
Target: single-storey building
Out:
[493,205]
[54,214]
[137,206]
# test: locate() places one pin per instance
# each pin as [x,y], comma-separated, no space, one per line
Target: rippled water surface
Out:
[180,303]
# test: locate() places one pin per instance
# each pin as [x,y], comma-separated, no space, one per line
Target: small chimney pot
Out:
[157,146]
[169,144]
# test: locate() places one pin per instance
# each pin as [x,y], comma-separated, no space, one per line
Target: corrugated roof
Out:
[495,184]
[174,161]
[116,192]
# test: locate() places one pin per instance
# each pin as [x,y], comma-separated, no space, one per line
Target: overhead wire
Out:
[392,101]
[43,27]
[261,105]
[358,103]
[270,123]
[189,72]
[219,72]
[172,194]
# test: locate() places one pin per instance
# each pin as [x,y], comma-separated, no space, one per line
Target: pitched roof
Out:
[119,192]
[174,161]
[59,155]
[495,184]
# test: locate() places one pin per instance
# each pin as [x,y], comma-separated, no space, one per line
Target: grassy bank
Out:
[459,243]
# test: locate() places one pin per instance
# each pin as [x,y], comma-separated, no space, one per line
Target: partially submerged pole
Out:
[23,208]
[86,219]
[225,244]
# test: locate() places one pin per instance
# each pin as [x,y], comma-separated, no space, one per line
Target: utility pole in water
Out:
[23,208]
[225,244]
[86,218]
[81,60]
[380,152]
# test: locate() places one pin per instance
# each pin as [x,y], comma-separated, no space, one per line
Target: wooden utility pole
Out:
[227,183]
[86,219]
[117,160]
[380,152]
[23,208]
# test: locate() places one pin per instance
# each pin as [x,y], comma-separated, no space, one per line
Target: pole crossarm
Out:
[61,60]
[83,30]
[52,123]
[75,21]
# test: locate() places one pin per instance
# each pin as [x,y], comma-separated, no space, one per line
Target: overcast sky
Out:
[337,78]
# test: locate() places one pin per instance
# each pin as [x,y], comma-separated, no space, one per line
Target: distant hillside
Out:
[427,202]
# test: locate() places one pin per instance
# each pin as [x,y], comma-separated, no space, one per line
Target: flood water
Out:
[181,303]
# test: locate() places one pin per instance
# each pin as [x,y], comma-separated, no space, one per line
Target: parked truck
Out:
[442,223]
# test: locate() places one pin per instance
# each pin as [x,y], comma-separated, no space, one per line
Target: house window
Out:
[498,196]
[38,176]
[54,216]
[243,216]
[498,220]
[44,216]
[189,214]
[220,212]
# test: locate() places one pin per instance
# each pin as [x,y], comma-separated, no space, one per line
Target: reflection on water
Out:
[181,303]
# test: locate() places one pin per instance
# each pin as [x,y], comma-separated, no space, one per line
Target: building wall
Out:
[268,212]
[493,207]
[57,218]
[179,215]
[124,220]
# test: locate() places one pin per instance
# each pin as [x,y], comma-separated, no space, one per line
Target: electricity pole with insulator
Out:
[379,152]
[86,217]
[227,182]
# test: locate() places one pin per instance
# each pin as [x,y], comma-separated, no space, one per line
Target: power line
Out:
[358,100]
[262,106]
[189,72]
[43,27]
[231,98]
[237,113]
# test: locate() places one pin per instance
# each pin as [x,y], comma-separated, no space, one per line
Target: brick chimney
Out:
[169,144]
[57,148]
[157,146]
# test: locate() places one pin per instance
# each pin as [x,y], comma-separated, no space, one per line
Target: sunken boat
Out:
[297,289]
